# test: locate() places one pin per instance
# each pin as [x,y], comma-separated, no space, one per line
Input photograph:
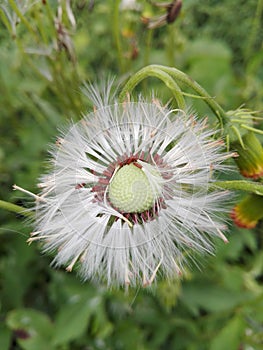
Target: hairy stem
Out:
[15,208]
[178,77]
[248,186]
[158,73]
[188,81]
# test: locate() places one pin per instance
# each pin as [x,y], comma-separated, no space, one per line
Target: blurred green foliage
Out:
[47,51]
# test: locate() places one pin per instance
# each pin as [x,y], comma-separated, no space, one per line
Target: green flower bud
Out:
[250,159]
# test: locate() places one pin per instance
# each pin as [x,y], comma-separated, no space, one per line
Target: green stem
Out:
[116,33]
[158,73]
[170,45]
[5,17]
[22,17]
[256,27]
[188,81]
[15,209]
[41,27]
[49,12]
[178,76]
[242,185]
[148,45]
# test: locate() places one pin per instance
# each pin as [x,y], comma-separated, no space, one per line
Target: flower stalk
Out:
[177,76]
[154,71]
[116,34]
[22,18]
[15,209]
[242,185]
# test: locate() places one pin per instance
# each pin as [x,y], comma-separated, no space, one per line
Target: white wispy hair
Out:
[179,157]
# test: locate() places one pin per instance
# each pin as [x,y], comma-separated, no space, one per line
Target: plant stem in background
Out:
[22,18]
[170,45]
[116,33]
[256,26]
[148,45]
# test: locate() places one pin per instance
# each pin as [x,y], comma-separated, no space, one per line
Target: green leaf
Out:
[230,336]
[5,338]
[33,329]
[14,270]
[213,298]
[73,319]
[129,337]
[239,239]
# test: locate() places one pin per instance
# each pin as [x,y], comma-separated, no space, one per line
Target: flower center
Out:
[132,191]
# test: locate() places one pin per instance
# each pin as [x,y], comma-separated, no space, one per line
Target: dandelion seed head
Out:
[127,198]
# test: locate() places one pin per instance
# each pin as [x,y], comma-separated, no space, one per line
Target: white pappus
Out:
[128,195]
